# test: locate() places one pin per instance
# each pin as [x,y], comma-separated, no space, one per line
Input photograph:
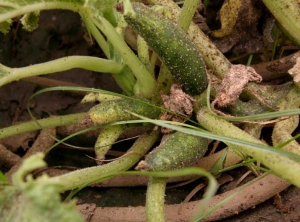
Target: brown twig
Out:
[252,194]
[42,144]
[7,157]
[276,68]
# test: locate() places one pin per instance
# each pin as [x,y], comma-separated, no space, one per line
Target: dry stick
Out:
[42,144]
[7,157]
[253,194]
[276,68]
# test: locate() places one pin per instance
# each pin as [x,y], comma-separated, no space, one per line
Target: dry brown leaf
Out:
[233,84]
[177,102]
[23,140]
[240,27]
[295,72]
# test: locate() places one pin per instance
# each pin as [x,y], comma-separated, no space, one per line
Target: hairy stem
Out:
[45,123]
[18,11]
[155,199]
[146,84]
[187,14]
[59,65]
[279,164]
[84,177]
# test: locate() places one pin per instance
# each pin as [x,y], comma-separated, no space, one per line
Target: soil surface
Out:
[61,34]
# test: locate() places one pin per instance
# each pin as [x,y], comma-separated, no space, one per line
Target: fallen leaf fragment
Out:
[177,102]
[295,72]
[233,84]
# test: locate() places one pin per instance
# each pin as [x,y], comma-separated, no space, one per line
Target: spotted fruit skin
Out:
[172,45]
[115,110]
[176,151]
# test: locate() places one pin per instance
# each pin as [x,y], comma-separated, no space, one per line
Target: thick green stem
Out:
[287,13]
[90,175]
[59,65]
[155,199]
[187,14]
[45,123]
[18,11]
[282,130]
[146,85]
[97,35]
[281,165]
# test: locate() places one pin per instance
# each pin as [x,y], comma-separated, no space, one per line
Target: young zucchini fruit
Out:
[172,45]
[115,110]
[176,151]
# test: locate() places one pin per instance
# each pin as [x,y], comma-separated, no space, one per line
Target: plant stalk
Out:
[187,14]
[146,83]
[84,177]
[18,11]
[45,123]
[59,65]
[282,166]
[155,199]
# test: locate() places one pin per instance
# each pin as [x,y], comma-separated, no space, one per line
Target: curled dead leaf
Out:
[295,72]
[233,84]
[177,102]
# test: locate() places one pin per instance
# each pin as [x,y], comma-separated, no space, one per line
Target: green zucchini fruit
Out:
[115,110]
[176,151]
[172,45]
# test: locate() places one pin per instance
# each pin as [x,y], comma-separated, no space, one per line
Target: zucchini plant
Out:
[182,53]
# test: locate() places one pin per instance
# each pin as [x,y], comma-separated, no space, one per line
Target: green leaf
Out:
[34,200]
[12,9]
[30,21]
[3,177]
[5,26]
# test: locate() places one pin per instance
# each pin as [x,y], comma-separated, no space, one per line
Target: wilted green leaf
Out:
[34,200]
[30,21]
[5,26]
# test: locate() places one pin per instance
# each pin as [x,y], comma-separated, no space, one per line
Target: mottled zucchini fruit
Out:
[176,151]
[172,45]
[115,110]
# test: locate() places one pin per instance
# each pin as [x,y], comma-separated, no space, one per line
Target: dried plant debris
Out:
[28,199]
[87,210]
[228,15]
[233,84]
[177,102]
[295,72]
[240,24]
[21,141]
